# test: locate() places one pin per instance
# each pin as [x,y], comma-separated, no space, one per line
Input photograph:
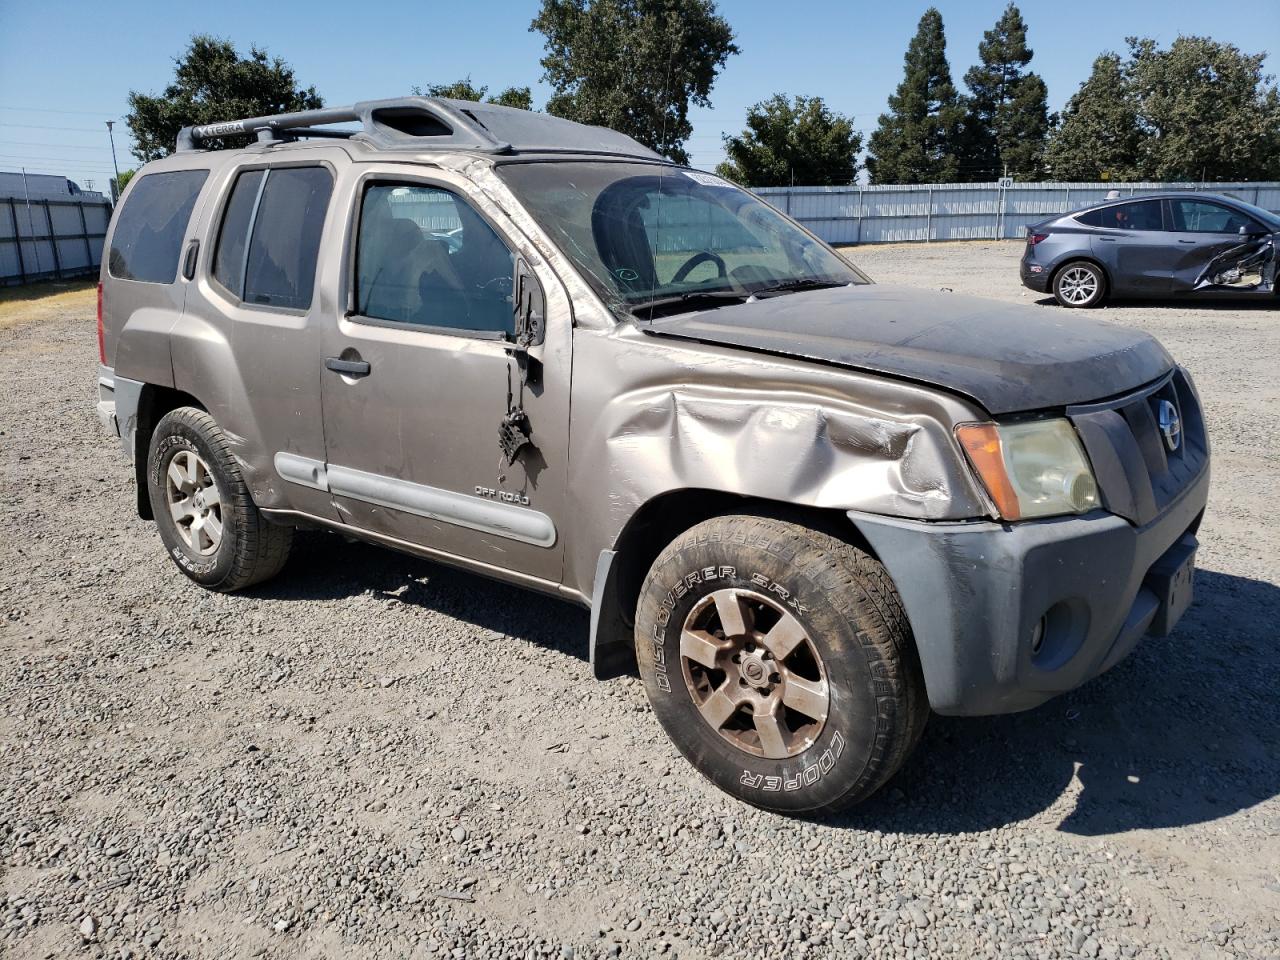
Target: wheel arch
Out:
[622,568]
[154,401]
[1082,258]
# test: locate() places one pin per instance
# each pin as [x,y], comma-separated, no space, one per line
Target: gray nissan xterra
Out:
[809,507]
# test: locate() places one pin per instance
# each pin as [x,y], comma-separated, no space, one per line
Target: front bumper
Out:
[975,592]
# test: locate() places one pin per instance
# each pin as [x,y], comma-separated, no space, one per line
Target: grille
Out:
[1137,472]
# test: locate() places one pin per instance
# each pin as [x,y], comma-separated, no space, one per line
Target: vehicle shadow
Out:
[1226,302]
[325,566]
[1186,730]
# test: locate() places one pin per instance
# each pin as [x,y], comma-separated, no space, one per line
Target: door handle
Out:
[189,261]
[1108,239]
[352,368]
[1187,241]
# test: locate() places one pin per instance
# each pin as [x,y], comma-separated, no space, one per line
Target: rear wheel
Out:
[780,662]
[1080,284]
[206,517]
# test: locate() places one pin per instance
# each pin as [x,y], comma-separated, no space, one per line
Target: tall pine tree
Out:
[917,141]
[1008,114]
[1100,133]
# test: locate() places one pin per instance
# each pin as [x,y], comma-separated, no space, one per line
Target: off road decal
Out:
[807,776]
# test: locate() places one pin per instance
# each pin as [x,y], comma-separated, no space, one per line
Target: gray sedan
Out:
[1174,244]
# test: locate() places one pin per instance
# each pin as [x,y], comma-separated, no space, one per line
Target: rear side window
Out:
[270,235]
[1139,215]
[147,238]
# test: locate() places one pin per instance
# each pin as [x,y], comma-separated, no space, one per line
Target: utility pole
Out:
[115,183]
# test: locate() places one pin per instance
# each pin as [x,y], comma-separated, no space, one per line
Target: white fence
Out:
[43,239]
[964,211]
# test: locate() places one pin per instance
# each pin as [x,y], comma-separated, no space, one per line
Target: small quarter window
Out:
[233,238]
[147,238]
[424,256]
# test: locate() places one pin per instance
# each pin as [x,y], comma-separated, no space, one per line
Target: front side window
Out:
[270,236]
[651,237]
[147,238]
[1197,216]
[424,256]
[1138,215]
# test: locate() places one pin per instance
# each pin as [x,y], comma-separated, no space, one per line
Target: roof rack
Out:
[429,123]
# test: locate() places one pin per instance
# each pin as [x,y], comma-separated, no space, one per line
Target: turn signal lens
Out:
[981,442]
[102,339]
[1033,469]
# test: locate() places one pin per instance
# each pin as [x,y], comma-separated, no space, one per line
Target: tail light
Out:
[1034,238]
[102,339]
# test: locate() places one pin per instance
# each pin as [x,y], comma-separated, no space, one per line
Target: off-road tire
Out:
[853,616]
[251,549]
[1069,270]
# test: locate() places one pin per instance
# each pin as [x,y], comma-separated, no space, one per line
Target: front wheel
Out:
[1080,284]
[780,662]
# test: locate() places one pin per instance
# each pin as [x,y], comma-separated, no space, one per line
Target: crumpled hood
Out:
[1007,358]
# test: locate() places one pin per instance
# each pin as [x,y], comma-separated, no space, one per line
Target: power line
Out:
[60,146]
[86,113]
[41,126]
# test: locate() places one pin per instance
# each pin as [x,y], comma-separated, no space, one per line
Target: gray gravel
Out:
[376,756]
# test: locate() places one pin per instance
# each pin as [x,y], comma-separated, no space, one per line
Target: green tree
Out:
[1198,110]
[1007,119]
[792,141]
[122,181]
[518,97]
[634,65]
[1207,111]
[918,140]
[1099,135]
[213,82]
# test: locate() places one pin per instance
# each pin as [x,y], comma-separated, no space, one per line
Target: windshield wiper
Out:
[683,302]
[799,283]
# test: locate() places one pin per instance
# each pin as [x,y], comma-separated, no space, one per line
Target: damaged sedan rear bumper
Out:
[1007,616]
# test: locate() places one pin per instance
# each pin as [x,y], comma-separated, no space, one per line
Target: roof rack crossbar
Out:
[465,130]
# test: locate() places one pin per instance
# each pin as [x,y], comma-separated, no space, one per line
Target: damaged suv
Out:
[807,507]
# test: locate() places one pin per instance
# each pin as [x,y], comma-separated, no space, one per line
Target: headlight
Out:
[1035,469]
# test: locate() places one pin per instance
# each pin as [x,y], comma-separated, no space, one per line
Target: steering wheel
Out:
[704,256]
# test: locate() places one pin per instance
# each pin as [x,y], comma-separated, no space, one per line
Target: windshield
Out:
[654,238]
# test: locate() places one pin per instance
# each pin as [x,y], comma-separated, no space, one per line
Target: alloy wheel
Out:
[754,673]
[1078,285]
[195,503]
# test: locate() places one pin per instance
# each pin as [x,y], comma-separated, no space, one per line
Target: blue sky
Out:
[66,67]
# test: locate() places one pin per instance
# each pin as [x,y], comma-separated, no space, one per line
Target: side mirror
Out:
[1244,231]
[529,306]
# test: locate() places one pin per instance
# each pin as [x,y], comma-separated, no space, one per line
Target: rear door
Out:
[260,293]
[1133,244]
[1204,231]
[418,378]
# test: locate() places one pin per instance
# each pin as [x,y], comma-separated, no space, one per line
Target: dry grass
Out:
[42,301]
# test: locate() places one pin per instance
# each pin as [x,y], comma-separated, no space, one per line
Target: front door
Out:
[1212,249]
[419,374]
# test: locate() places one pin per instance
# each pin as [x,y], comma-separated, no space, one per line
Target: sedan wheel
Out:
[1079,285]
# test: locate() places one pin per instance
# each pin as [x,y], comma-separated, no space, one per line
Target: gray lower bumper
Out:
[975,593]
[118,406]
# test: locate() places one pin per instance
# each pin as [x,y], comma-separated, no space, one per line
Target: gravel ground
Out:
[376,756]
